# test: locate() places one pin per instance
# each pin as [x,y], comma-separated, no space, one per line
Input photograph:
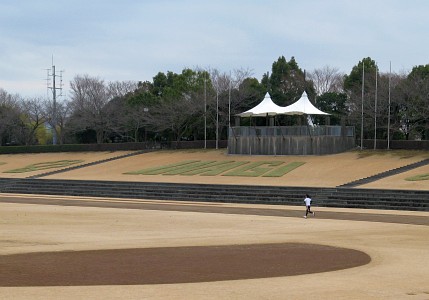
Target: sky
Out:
[134,40]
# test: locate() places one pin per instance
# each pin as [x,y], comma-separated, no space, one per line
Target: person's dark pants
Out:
[308,211]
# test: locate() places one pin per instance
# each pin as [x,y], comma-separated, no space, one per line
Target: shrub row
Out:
[76,148]
[110,147]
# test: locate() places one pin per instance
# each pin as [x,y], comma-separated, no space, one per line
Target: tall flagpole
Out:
[388,118]
[205,113]
[217,119]
[229,101]
[361,121]
[375,108]
[229,110]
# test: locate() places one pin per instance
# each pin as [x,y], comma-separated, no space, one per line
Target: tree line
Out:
[201,104]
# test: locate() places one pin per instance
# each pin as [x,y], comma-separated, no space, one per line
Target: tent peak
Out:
[265,108]
[303,106]
[268,108]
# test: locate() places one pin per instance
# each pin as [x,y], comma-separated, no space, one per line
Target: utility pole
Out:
[388,118]
[361,122]
[229,102]
[217,119]
[205,112]
[375,107]
[54,88]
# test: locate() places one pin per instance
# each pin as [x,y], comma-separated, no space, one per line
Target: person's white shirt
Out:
[307,201]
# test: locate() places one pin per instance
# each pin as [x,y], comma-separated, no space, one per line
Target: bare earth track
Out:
[173,265]
[55,247]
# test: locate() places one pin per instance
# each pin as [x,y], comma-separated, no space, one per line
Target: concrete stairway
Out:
[160,191]
[386,174]
[379,199]
[328,197]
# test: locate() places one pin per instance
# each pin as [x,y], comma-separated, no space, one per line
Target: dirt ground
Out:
[17,161]
[86,248]
[172,265]
[318,171]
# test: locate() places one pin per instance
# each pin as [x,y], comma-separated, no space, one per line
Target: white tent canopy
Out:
[266,108]
[303,106]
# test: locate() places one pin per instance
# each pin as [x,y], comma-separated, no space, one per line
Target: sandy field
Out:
[16,161]
[395,241]
[398,251]
[399,181]
[318,171]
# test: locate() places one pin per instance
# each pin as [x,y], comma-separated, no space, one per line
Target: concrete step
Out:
[385,174]
[329,197]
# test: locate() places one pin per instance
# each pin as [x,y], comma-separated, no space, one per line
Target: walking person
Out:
[307,201]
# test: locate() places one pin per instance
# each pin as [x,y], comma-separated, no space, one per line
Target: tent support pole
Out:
[281,131]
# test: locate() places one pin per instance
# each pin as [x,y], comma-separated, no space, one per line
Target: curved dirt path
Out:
[172,265]
[270,250]
[395,241]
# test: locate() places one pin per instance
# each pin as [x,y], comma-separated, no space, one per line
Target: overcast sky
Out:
[134,40]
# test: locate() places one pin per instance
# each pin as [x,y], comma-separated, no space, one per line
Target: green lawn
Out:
[45,166]
[224,168]
[418,177]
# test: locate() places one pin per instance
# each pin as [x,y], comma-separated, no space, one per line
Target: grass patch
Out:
[190,168]
[216,168]
[418,177]
[398,153]
[213,168]
[254,169]
[45,166]
[163,169]
[279,172]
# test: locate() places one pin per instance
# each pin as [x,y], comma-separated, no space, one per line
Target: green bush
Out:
[43,149]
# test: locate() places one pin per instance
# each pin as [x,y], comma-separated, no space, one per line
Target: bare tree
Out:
[233,91]
[10,122]
[119,89]
[136,118]
[127,118]
[327,80]
[89,96]
[63,110]
[33,118]
[414,105]
[219,104]
[175,114]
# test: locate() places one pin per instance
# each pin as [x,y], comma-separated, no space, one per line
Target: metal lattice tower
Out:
[54,87]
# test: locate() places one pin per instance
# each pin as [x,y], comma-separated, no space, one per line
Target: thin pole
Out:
[205,113]
[388,117]
[229,101]
[217,119]
[361,122]
[375,108]
[54,89]
[229,111]
[54,106]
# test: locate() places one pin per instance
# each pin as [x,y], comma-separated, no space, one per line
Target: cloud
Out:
[134,40]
